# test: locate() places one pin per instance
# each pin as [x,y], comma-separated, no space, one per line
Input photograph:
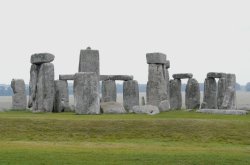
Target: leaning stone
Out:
[147,109]
[19,99]
[44,96]
[89,61]
[116,77]
[130,94]
[229,101]
[41,58]
[164,106]
[192,94]
[32,84]
[215,75]
[182,75]
[210,94]
[224,112]
[156,58]
[108,91]
[61,102]
[66,77]
[112,108]
[175,94]
[86,93]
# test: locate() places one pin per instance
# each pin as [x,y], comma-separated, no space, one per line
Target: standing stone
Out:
[156,85]
[192,95]
[175,94]
[89,61]
[143,101]
[86,93]
[61,102]
[221,92]
[130,94]
[32,84]
[167,79]
[210,94]
[108,91]
[44,95]
[19,99]
[229,101]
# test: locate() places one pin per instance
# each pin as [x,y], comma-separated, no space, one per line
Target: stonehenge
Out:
[221,95]
[19,99]
[162,94]
[41,86]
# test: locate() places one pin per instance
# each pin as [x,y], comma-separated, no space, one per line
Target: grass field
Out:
[176,137]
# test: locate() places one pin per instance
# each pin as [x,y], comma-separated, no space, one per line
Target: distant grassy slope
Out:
[168,138]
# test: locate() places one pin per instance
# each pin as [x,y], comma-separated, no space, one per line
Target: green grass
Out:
[175,137]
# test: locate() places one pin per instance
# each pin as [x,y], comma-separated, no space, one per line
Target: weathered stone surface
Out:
[86,93]
[108,91]
[157,84]
[210,94]
[164,106]
[175,94]
[148,109]
[156,58]
[182,75]
[167,64]
[130,94]
[192,94]
[112,107]
[44,94]
[221,91]
[19,99]
[61,101]
[225,112]
[32,84]
[116,77]
[66,77]
[40,58]
[216,75]
[167,82]
[229,101]
[89,61]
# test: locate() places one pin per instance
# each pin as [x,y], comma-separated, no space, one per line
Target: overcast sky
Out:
[198,36]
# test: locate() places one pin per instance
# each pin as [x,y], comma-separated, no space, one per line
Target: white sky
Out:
[198,36]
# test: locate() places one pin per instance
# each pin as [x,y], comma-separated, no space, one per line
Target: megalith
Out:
[86,93]
[192,94]
[210,94]
[41,86]
[19,99]
[108,91]
[175,94]
[229,101]
[130,94]
[61,101]
[157,78]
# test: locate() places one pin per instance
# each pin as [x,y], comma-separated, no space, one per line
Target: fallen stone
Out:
[210,94]
[130,94]
[147,109]
[225,112]
[216,75]
[89,61]
[66,77]
[19,99]
[112,108]
[86,93]
[164,106]
[156,58]
[108,91]
[175,94]
[116,77]
[192,94]
[61,101]
[40,58]
[182,75]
